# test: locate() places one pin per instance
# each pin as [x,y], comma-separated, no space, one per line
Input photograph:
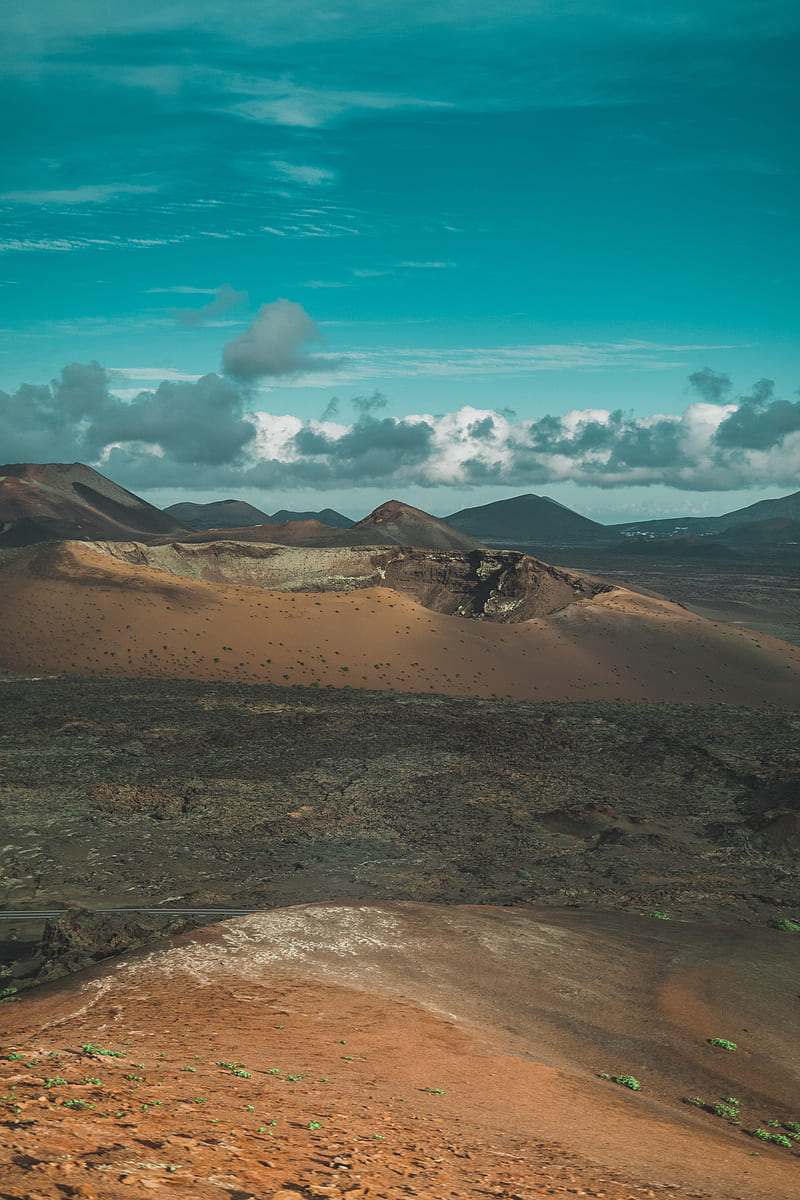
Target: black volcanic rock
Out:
[42,501]
[530,519]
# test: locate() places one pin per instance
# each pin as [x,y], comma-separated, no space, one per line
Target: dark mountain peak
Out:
[528,520]
[218,514]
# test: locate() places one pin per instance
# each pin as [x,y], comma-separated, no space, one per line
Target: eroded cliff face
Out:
[490,585]
[502,586]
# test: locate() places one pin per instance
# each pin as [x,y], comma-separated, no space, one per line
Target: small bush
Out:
[723,1044]
[777,1139]
[627,1081]
[787,925]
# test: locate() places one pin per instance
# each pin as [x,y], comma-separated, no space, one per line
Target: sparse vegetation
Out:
[627,1081]
[777,1139]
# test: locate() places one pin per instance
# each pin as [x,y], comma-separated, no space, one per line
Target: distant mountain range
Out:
[238,514]
[391,524]
[532,522]
[46,501]
[761,517]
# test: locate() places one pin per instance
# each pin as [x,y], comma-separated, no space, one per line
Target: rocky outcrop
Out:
[504,586]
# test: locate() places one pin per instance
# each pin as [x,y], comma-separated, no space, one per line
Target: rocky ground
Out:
[173,794]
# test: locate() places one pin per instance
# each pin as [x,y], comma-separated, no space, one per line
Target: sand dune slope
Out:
[406,1050]
[66,608]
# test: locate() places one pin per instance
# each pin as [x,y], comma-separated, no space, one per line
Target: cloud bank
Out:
[162,437]
[78,416]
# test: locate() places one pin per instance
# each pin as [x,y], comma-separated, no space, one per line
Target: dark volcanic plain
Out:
[143,793]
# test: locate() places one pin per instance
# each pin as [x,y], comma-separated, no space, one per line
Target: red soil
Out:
[401,1050]
[66,608]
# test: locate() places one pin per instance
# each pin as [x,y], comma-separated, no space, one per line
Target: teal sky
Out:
[544,247]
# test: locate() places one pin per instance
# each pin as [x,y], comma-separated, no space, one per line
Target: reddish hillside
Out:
[41,501]
[406,1050]
[398,524]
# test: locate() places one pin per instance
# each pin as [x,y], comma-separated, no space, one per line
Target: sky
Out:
[442,252]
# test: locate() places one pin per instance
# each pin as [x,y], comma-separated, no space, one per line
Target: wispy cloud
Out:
[225,298]
[375,363]
[180,290]
[427,266]
[284,102]
[311,229]
[298,173]
[66,245]
[87,194]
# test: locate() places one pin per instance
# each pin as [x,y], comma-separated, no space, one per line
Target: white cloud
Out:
[474,447]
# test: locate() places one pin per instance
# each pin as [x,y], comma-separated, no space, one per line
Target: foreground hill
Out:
[39,501]
[75,608]
[530,520]
[391,524]
[386,1050]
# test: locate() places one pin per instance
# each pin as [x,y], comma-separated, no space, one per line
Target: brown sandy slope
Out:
[405,1050]
[39,501]
[392,524]
[66,608]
